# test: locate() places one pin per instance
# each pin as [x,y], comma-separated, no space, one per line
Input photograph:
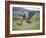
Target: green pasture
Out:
[34,25]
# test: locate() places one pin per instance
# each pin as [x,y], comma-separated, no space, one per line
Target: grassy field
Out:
[34,25]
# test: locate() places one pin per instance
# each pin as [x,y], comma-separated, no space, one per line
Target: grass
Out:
[34,25]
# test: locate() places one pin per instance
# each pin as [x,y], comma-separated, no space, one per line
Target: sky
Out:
[37,9]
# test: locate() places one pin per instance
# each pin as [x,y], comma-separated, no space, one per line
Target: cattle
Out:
[27,16]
